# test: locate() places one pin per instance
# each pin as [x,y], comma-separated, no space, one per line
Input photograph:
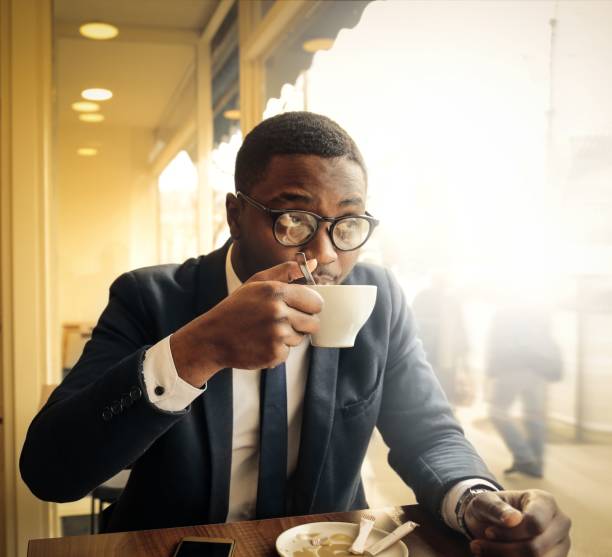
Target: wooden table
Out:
[254,538]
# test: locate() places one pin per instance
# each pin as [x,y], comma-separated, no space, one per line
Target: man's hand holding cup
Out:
[253,328]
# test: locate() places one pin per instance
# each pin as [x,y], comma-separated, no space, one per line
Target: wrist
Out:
[463,505]
[194,358]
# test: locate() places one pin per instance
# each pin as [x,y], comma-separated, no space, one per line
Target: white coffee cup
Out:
[346,308]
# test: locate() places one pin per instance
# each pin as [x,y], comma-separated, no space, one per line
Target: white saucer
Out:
[297,540]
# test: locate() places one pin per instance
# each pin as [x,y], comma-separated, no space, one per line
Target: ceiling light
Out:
[232,114]
[98,31]
[91,117]
[314,45]
[97,94]
[87,151]
[85,106]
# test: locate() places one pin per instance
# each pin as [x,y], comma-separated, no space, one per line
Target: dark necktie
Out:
[271,487]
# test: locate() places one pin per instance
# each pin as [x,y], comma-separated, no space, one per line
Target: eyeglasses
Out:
[295,228]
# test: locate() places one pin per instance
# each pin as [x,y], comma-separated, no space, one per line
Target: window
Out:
[178,188]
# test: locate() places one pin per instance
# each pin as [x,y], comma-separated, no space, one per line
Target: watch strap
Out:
[463,504]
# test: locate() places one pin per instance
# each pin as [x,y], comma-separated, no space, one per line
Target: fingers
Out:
[302,298]
[302,322]
[539,509]
[293,338]
[553,542]
[285,272]
[542,531]
[490,508]
[562,550]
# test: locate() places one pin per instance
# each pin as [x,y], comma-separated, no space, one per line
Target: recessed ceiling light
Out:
[98,30]
[91,117]
[97,94]
[314,45]
[232,114]
[87,151]
[85,106]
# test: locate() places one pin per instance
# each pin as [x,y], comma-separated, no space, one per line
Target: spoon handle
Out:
[301,260]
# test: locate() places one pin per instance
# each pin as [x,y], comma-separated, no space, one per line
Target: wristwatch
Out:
[464,502]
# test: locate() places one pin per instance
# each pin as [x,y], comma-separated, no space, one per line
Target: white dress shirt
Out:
[176,394]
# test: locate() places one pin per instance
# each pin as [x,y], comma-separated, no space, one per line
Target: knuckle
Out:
[534,525]
[314,324]
[567,523]
[278,310]
[263,289]
[540,493]
[296,339]
[278,290]
[280,352]
[269,289]
[278,330]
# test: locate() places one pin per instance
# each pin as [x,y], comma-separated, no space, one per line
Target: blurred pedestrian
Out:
[522,359]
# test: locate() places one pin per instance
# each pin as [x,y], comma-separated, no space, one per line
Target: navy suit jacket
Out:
[99,420]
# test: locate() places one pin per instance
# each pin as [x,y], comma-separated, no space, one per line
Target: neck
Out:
[237,262]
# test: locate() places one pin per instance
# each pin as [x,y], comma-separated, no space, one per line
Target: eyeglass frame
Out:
[275,214]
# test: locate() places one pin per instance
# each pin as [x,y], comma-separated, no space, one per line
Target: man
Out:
[168,383]
[522,359]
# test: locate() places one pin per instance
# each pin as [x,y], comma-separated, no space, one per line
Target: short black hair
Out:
[291,133]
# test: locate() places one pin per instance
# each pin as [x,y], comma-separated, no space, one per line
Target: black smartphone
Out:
[205,547]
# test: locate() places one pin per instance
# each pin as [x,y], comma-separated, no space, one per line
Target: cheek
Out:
[347,260]
[263,251]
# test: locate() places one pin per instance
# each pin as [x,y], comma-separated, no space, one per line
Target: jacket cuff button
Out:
[135,393]
[116,407]
[126,401]
[159,390]
[107,414]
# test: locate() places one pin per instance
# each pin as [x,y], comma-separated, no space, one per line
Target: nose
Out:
[321,247]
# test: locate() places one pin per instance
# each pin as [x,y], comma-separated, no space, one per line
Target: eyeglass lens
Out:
[294,229]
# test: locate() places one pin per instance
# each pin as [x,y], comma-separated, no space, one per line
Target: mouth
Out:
[319,279]
[326,279]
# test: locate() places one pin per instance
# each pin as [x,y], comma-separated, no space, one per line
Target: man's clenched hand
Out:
[517,523]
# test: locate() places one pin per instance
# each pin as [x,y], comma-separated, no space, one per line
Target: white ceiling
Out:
[143,70]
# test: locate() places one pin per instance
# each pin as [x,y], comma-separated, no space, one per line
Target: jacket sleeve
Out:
[427,447]
[99,420]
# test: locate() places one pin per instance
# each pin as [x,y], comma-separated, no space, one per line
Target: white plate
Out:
[295,542]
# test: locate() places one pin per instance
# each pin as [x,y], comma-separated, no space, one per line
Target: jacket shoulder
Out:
[369,273]
[171,275]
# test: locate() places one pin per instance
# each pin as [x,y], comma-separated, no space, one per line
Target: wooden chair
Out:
[106,494]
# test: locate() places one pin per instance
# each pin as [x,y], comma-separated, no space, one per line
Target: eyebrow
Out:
[295,197]
[292,197]
[355,200]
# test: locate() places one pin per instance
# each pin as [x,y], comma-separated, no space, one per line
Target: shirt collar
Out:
[233,282]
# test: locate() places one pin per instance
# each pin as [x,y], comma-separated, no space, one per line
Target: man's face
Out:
[328,187]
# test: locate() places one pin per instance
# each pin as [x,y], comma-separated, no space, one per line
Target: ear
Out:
[232,210]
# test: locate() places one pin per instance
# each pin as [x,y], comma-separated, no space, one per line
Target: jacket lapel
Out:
[217,401]
[317,422]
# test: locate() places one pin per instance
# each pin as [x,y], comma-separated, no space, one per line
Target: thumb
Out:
[284,272]
[491,508]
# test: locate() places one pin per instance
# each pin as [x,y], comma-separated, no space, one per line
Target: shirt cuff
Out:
[165,389]
[449,503]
